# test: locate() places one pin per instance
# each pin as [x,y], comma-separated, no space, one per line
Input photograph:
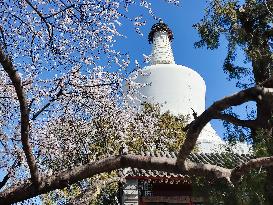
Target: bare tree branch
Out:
[63,179]
[17,83]
[62,10]
[7,176]
[96,85]
[235,120]
[36,114]
[49,27]
[239,171]
[3,37]
[60,92]
[4,181]
[256,93]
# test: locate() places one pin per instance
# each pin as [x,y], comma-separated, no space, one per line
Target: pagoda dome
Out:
[177,88]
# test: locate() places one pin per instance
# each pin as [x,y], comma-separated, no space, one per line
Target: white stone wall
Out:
[161,50]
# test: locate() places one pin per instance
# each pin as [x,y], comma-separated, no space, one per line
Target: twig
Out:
[35,115]
[7,176]
[49,27]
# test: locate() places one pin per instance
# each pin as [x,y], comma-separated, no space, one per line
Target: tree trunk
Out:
[262,70]
[269,186]
[264,114]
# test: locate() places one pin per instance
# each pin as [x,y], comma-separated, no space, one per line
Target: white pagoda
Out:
[181,91]
[177,88]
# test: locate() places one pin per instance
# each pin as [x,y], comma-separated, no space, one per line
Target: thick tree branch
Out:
[241,170]
[256,93]
[17,83]
[63,179]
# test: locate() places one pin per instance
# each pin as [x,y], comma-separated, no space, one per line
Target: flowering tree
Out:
[60,68]
[61,74]
[103,137]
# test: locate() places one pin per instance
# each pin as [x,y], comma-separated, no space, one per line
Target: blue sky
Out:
[207,63]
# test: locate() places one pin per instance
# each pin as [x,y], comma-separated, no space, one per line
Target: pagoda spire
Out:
[161,36]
